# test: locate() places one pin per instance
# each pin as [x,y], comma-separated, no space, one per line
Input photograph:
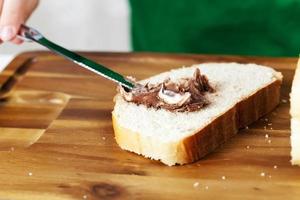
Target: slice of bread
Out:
[244,93]
[295,120]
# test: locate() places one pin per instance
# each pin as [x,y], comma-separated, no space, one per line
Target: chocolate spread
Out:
[186,95]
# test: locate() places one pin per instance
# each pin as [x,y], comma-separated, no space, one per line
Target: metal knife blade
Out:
[29,33]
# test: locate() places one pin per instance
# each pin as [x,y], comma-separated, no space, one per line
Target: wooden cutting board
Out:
[57,142]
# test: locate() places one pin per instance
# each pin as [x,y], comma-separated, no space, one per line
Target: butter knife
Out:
[28,33]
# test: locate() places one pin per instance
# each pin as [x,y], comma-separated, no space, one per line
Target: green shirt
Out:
[242,27]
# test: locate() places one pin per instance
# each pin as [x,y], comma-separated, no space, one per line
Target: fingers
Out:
[11,17]
[14,13]
[17,40]
[1,3]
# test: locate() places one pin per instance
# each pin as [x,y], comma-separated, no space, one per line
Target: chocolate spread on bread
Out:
[186,95]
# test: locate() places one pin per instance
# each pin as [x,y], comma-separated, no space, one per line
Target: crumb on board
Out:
[262,174]
[266,119]
[270,176]
[269,141]
[196,184]
[56,101]
[274,113]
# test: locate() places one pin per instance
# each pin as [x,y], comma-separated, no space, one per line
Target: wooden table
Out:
[57,142]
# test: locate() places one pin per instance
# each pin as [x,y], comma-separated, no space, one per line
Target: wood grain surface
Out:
[57,142]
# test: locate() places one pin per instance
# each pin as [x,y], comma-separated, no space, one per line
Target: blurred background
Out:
[93,25]
[249,27]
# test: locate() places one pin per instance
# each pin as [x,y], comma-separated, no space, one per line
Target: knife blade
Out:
[31,34]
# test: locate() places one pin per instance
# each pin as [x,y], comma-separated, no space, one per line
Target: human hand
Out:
[13,13]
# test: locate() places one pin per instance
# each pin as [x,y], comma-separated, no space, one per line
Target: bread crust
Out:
[295,117]
[210,137]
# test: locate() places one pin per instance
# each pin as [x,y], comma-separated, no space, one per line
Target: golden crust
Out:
[295,116]
[208,138]
[295,96]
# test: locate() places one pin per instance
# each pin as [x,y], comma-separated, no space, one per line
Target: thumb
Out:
[14,13]
[11,18]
